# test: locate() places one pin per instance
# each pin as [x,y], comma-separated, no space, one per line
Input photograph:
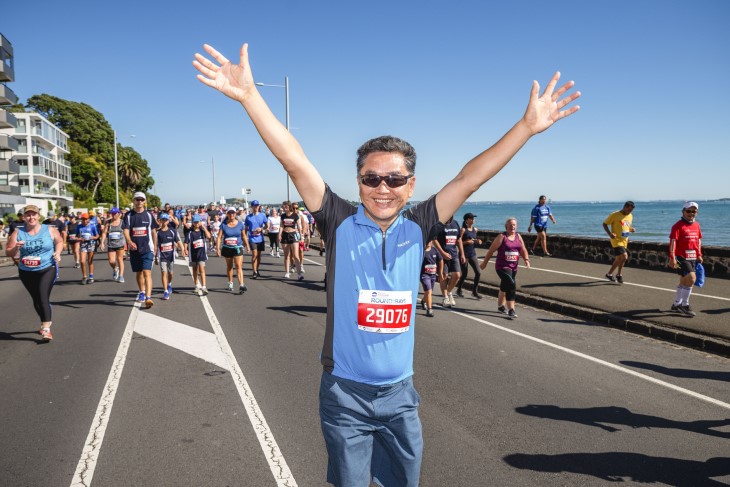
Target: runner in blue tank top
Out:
[374,254]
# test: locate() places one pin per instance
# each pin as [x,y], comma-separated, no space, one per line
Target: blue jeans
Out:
[370,430]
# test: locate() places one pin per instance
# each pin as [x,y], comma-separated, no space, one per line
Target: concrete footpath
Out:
[640,305]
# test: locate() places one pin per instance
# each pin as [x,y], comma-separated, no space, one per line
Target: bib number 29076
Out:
[384,311]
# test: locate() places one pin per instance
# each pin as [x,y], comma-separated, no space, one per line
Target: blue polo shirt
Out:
[255,221]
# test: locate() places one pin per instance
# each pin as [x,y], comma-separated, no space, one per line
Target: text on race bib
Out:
[115,235]
[384,311]
[690,254]
[451,239]
[430,268]
[230,241]
[31,261]
[199,243]
[166,247]
[139,231]
[511,256]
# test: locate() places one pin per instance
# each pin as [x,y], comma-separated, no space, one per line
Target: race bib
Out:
[166,247]
[511,256]
[31,261]
[451,239]
[115,235]
[384,311]
[198,244]
[86,236]
[690,254]
[625,234]
[429,268]
[139,231]
[288,222]
[543,220]
[233,241]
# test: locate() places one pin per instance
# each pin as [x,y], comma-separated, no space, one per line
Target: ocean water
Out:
[652,219]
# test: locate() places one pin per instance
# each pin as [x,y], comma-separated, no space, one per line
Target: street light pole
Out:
[116,168]
[212,165]
[286,99]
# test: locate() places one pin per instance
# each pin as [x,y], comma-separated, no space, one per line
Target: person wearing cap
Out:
[685,252]
[469,242]
[142,242]
[368,404]
[72,242]
[618,226]
[195,241]
[451,249]
[539,217]
[88,235]
[38,249]
[167,241]
[230,245]
[112,237]
[255,224]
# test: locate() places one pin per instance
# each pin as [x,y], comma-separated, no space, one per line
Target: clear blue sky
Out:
[449,77]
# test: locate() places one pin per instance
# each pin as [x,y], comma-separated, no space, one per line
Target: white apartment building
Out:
[43,173]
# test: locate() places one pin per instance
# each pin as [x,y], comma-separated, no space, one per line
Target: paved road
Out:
[223,391]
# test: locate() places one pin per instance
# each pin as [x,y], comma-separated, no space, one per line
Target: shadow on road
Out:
[602,417]
[12,336]
[299,310]
[682,373]
[622,466]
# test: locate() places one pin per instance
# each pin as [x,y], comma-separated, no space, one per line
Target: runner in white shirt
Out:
[274,225]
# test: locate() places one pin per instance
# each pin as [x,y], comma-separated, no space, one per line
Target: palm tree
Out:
[132,168]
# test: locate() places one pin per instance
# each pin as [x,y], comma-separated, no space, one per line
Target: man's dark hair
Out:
[388,143]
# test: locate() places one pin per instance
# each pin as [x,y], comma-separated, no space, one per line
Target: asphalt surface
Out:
[546,399]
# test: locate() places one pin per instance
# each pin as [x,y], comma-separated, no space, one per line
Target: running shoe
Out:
[198,290]
[300,277]
[278,256]
[230,286]
[675,307]
[254,276]
[610,277]
[531,251]
[512,314]
[204,290]
[547,254]
[242,289]
[619,278]
[169,288]
[447,302]
[91,279]
[429,313]
[687,311]
[121,279]
[272,252]
[115,276]
[423,305]
[84,280]
[476,295]
[451,299]
[148,303]
[141,297]
[166,295]
[302,268]
[460,293]
[287,275]
[77,265]
[46,334]
[502,310]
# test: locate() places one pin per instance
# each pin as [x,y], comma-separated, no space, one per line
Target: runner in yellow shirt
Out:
[618,227]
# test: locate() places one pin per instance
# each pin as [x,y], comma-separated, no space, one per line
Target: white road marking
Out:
[313,262]
[624,284]
[619,368]
[274,457]
[198,343]
[90,453]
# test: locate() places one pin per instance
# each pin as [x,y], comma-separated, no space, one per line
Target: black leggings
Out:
[274,240]
[39,285]
[508,284]
[474,263]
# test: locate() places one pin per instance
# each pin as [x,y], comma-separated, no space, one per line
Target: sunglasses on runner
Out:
[391,180]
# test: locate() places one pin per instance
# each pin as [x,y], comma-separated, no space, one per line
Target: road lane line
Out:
[274,457]
[619,368]
[90,453]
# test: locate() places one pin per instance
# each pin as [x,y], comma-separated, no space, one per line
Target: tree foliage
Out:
[91,157]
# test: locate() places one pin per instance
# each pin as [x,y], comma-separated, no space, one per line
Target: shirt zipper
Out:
[383,250]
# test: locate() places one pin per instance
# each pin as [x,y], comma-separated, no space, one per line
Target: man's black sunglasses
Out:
[391,180]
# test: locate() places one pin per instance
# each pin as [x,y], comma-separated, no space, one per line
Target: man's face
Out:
[139,203]
[627,209]
[383,203]
[543,200]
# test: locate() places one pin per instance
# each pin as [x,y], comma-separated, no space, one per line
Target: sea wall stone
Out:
[645,255]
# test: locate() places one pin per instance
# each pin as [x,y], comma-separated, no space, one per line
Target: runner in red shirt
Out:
[685,252]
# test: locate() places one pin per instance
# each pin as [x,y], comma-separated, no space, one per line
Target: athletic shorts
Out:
[199,263]
[370,429]
[452,265]
[114,249]
[167,266]
[428,280]
[231,251]
[685,266]
[141,262]
[258,246]
[88,246]
[289,237]
[620,250]
[540,229]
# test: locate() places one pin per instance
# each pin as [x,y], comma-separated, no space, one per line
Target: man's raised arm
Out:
[542,112]
[236,82]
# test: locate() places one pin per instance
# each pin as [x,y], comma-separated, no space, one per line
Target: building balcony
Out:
[7,120]
[7,96]
[9,165]
[8,143]
[9,189]
[7,71]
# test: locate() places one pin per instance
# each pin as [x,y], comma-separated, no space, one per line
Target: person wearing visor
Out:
[38,249]
[112,238]
[368,405]
[255,224]
[685,252]
[138,224]
[230,244]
